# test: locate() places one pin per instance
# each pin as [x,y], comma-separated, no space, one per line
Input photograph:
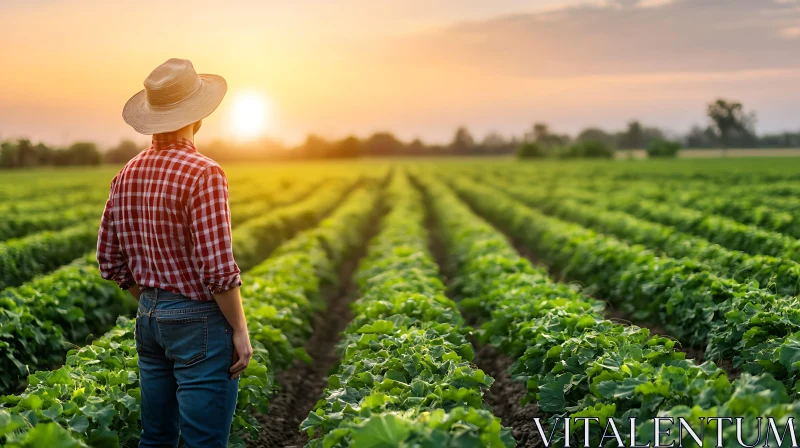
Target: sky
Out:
[418,68]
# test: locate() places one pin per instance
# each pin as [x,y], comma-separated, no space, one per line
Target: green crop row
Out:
[775,274]
[24,258]
[574,362]
[42,318]
[309,260]
[757,330]
[406,377]
[53,202]
[752,206]
[722,230]
[271,199]
[259,236]
[95,396]
[20,224]
[752,326]
[769,215]
[14,188]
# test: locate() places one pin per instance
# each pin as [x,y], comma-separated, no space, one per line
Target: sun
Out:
[251,114]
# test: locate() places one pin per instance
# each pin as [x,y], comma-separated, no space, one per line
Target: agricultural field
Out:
[436,303]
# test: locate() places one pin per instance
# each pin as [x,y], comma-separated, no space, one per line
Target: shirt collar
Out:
[170,140]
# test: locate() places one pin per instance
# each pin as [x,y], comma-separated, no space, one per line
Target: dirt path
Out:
[505,395]
[302,384]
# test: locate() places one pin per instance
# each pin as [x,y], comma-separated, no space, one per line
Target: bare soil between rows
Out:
[505,395]
[614,314]
[302,384]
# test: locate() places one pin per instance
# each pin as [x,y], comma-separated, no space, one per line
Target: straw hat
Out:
[174,96]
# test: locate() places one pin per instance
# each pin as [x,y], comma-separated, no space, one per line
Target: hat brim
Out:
[147,120]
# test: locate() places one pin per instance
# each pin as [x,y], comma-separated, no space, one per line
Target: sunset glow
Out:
[251,114]
[417,68]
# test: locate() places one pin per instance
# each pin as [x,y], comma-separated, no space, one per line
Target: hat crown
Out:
[171,82]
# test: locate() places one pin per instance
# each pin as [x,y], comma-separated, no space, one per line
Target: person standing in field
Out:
[165,236]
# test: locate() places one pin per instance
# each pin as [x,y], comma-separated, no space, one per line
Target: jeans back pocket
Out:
[185,339]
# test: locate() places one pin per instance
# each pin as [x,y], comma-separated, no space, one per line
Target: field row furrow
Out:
[567,354]
[775,274]
[22,224]
[574,362]
[750,205]
[732,320]
[261,235]
[53,202]
[722,230]
[272,199]
[21,259]
[405,378]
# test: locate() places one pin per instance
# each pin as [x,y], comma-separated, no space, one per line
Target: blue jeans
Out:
[185,352]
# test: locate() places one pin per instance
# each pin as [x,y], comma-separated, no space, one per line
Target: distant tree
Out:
[81,153]
[700,137]
[531,150]
[44,154]
[383,144]
[650,134]
[417,148]
[26,154]
[540,133]
[350,147]
[730,121]
[633,137]
[597,135]
[314,147]
[494,143]
[781,140]
[463,142]
[8,155]
[663,149]
[122,153]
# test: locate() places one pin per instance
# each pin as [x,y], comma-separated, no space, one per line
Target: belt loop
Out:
[155,300]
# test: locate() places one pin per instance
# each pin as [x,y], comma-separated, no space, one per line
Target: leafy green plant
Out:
[574,362]
[22,259]
[265,202]
[406,376]
[259,236]
[41,318]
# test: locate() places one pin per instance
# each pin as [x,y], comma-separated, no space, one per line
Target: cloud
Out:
[653,3]
[792,32]
[678,36]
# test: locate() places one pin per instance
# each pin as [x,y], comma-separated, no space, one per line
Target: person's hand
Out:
[135,291]
[242,352]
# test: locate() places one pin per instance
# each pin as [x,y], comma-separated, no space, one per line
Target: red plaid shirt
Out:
[167,223]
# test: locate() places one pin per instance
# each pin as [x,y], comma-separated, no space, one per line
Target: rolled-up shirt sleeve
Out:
[111,259]
[211,232]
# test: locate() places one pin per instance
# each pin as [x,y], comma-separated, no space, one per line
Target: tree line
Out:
[729,126]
